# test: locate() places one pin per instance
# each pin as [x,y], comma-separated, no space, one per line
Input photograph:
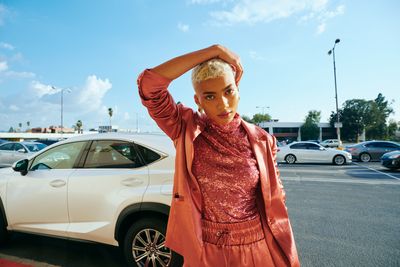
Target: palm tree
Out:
[79,126]
[110,113]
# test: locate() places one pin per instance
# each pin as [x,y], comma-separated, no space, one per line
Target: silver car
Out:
[11,152]
[371,150]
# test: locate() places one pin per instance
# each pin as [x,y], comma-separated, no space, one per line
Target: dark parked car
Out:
[391,160]
[47,142]
[3,141]
[371,150]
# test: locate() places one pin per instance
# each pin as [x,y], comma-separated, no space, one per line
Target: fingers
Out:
[239,73]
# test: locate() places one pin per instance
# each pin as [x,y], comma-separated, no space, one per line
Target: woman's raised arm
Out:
[175,67]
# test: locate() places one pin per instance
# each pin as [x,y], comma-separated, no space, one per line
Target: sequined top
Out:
[227,172]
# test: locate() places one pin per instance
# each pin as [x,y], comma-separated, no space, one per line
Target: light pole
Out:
[332,51]
[62,104]
[262,108]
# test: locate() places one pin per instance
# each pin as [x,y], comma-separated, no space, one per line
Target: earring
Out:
[200,109]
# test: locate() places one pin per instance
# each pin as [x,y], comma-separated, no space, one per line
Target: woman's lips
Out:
[224,114]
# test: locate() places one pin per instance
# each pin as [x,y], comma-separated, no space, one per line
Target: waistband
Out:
[231,234]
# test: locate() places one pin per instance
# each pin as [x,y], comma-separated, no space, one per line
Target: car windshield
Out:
[35,147]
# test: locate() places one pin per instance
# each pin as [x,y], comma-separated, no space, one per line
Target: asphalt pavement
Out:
[341,216]
[344,216]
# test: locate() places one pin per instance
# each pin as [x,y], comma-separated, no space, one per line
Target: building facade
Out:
[290,131]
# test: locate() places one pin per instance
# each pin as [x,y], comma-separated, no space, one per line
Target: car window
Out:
[35,147]
[59,157]
[9,146]
[370,145]
[148,155]
[299,146]
[390,145]
[112,154]
[313,146]
[18,147]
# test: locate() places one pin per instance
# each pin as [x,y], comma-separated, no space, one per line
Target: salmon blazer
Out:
[183,125]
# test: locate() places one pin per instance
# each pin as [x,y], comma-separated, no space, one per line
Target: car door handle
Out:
[58,183]
[132,182]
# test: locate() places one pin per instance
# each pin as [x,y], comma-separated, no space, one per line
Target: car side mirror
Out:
[21,150]
[322,148]
[21,166]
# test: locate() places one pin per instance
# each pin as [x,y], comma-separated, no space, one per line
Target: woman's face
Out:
[218,97]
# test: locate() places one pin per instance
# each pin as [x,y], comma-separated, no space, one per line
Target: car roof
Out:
[157,141]
[303,142]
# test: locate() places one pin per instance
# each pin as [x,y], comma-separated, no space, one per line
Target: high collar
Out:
[227,128]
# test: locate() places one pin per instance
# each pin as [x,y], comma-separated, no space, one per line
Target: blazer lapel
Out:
[258,143]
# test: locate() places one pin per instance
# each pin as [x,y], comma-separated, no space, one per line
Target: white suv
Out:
[331,143]
[108,188]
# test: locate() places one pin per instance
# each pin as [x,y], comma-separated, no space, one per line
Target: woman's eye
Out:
[209,97]
[229,91]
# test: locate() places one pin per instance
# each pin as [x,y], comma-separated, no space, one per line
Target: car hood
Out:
[393,153]
[6,170]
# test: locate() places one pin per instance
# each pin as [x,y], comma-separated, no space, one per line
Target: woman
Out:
[228,201]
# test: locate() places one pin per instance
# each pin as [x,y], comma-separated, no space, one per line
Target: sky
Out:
[93,51]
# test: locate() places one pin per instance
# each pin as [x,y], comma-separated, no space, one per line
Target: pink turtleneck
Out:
[227,172]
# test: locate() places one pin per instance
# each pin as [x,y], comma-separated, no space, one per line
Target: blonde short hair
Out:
[211,69]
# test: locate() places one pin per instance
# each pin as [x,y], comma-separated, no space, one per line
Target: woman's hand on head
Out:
[231,58]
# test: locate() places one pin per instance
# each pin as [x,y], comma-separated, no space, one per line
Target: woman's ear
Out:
[196,100]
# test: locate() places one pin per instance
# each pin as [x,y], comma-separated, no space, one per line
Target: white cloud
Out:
[22,74]
[202,2]
[3,14]
[14,108]
[321,28]
[255,11]
[183,27]
[126,116]
[3,66]
[6,46]
[91,96]
[256,56]
[39,89]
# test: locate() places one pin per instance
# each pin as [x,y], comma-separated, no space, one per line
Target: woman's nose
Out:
[223,102]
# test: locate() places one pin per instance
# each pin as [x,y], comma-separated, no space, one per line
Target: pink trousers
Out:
[234,245]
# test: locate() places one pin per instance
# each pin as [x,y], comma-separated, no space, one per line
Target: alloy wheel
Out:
[365,157]
[290,159]
[339,160]
[148,249]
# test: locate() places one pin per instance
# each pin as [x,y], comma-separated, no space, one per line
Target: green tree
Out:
[391,129]
[110,113]
[380,110]
[258,117]
[79,126]
[354,117]
[310,130]
[247,118]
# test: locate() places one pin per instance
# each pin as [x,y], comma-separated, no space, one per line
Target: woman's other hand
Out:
[231,58]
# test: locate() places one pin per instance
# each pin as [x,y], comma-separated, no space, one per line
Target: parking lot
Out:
[341,216]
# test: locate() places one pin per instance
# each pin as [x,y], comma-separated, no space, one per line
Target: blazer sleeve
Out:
[153,91]
[274,150]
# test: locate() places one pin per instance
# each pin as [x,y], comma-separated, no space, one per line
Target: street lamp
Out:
[62,104]
[262,108]
[332,51]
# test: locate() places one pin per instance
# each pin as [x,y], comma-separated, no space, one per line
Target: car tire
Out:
[339,160]
[144,243]
[3,231]
[290,159]
[365,157]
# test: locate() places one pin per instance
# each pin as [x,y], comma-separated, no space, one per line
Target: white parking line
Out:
[347,181]
[391,176]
